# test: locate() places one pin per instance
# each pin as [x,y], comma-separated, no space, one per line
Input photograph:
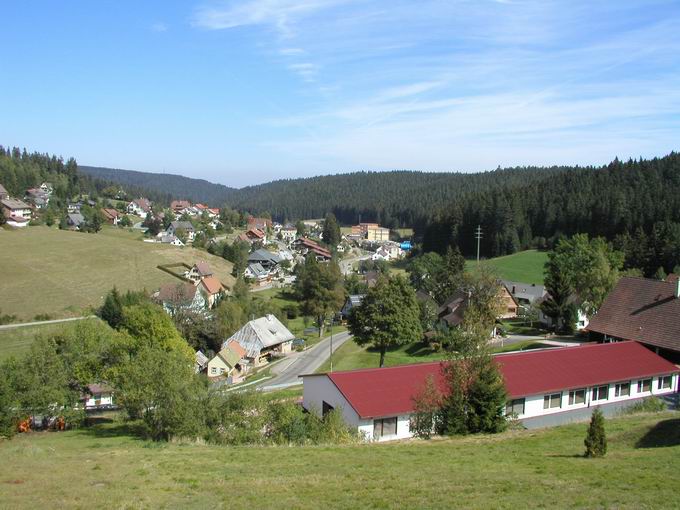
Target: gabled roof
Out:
[12,204]
[263,255]
[201,359]
[641,309]
[203,268]
[143,203]
[110,213]
[257,269]
[179,293]
[212,285]
[255,232]
[75,219]
[186,225]
[377,392]
[261,333]
[529,291]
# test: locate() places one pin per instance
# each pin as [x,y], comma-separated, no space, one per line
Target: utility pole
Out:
[478,236]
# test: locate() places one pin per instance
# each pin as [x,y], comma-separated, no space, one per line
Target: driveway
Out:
[286,373]
[42,323]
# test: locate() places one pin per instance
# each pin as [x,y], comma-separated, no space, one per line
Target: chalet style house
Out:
[644,310]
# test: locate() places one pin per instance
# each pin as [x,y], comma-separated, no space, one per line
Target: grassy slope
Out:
[16,341]
[525,266]
[63,273]
[96,468]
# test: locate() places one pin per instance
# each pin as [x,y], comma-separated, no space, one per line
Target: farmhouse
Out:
[305,245]
[265,258]
[176,297]
[546,387]
[199,271]
[16,212]
[259,223]
[644,310]
[263,337]
[353,300]
[38,197]
[254,234]
[112,216]
[75,221]
[139,207]
[452,311]
[257,272]
[180,227]
[178,206]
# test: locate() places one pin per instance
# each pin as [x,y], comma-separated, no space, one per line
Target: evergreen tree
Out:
[331,231]
[486,398]
[112,309]
[596,440]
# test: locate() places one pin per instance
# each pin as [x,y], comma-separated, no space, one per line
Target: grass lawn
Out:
[63,273]
[524,266]
[103,467]
[16,341]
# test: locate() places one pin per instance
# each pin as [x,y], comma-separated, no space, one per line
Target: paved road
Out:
[287,372]
[346,264]
[40,323]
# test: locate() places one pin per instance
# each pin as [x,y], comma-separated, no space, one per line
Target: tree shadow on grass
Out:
[663,434]
[102,427]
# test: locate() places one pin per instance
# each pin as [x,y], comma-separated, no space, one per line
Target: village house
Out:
[262,224]
[38,197]
[353,300]
[230,362]
[98,396]
[112,216]
[201,362]
[644,310]
[168,239]
[264,337]
[258,273]
[452,311]
[199,271]
[265,258]
[254,235]
[212,289]
[75,221]
[545,387]
[305,245]
[182,227]
[16,213]
[178,206]
[181,296]
[288,233]
[139,207]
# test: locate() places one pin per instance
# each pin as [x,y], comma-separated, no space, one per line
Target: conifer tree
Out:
[596,440]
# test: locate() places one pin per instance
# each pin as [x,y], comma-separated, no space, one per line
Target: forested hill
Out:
[394,199]
[635,204]
[175,186]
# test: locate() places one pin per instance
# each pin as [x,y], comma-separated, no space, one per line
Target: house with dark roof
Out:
[544,387]
[16,212]
[181,226]
[75,221]
[180,296]
[353,300]
[644,310]
[257,272]
[98,396]
[452,311]
[262,338]
[267,259]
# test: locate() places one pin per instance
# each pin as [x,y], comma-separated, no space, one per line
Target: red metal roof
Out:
[389,391]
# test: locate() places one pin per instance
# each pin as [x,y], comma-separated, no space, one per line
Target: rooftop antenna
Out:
[478,236]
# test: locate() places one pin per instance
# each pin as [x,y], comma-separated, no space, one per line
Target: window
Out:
[552,401]
[514,407]
[644,385]
[384,427]
[665,382]
[577,397]
[326,408]
[622,389]
[600,392]
[213,370]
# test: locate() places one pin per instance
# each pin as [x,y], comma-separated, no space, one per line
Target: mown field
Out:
[102,467]
[525,266]
[351,356]
[64,274]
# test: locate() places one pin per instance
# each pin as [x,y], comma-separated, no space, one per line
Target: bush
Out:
[596,439]
[43,317]
[647,405]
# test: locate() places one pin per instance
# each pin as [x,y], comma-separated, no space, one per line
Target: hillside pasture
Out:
[524,266]
[105,466]
[64,274]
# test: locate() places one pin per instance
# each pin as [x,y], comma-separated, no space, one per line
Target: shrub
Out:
[647,405]
[596,440]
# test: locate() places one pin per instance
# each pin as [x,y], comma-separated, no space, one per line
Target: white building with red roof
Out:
[545,387]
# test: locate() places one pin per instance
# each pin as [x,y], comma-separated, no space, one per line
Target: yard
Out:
[64,274]
[104,466]
[525,266]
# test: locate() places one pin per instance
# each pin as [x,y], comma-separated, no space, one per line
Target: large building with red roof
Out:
[543,386]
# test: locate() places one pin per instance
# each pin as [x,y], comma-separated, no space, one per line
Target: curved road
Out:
[287,372]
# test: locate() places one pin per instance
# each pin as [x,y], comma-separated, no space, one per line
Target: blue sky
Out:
[250,91]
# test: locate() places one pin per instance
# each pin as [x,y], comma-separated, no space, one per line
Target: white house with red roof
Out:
[545,387]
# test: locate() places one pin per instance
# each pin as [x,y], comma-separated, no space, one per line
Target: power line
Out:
[478,236]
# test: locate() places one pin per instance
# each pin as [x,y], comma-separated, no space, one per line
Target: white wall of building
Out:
[533,404]
[319,388]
